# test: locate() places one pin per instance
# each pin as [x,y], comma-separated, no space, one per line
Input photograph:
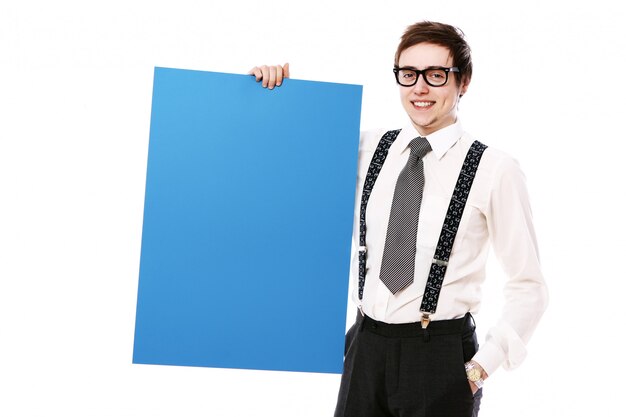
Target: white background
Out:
[75,96]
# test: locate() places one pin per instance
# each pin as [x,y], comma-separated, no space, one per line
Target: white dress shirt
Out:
[497,211]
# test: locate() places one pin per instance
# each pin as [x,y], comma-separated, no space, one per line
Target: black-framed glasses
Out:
[434,76]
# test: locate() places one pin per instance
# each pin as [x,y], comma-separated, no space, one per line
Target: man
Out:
[412,350]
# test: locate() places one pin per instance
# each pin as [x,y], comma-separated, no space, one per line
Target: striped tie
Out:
[398,264]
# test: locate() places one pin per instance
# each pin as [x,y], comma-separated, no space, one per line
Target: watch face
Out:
[473,374]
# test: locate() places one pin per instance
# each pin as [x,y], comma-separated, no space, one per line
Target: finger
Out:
[286,70]
[265,75]
[272,77]
[256,72]
[279,75]
[260,73]
[473,387]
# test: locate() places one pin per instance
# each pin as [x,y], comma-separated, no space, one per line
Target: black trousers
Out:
[402,370]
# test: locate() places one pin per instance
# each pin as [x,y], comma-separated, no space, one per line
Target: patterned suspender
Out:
[372,174]
[448,230]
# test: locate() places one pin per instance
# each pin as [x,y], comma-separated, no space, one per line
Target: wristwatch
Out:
[474,373]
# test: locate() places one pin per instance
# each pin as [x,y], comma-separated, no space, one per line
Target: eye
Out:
[436,75]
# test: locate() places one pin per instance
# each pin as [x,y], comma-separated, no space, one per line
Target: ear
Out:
[465,82]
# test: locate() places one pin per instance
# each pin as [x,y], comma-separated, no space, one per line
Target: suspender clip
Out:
[440,262]
[361,310]
[425,320]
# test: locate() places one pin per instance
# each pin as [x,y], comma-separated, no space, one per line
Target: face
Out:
[430,108]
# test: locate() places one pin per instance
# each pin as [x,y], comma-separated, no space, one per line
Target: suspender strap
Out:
[449,230]
[372,174]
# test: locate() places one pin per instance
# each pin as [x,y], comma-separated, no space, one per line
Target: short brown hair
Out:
[440,34]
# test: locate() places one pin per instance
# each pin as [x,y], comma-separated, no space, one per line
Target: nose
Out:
[420,86]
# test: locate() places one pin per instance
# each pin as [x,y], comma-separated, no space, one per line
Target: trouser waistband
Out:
[436,327]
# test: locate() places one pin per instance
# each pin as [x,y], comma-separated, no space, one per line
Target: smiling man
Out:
[431,102]
[430,201]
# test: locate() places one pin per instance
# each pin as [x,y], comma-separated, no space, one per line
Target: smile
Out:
[423,104]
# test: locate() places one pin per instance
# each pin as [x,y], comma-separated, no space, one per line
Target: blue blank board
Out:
[247,223]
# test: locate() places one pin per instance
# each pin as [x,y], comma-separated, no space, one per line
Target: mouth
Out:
[421,104]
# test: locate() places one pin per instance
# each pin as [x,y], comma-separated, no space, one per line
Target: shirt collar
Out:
[442,140]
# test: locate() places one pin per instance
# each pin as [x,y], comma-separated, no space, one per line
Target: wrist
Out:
[475,373]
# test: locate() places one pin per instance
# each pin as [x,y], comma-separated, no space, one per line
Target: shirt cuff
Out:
[489,357]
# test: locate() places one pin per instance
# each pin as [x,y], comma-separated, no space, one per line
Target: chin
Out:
[423,125]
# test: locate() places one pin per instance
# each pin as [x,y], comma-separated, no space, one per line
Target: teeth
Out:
[422,103]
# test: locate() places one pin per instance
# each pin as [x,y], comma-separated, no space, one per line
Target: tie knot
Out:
[419,147]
